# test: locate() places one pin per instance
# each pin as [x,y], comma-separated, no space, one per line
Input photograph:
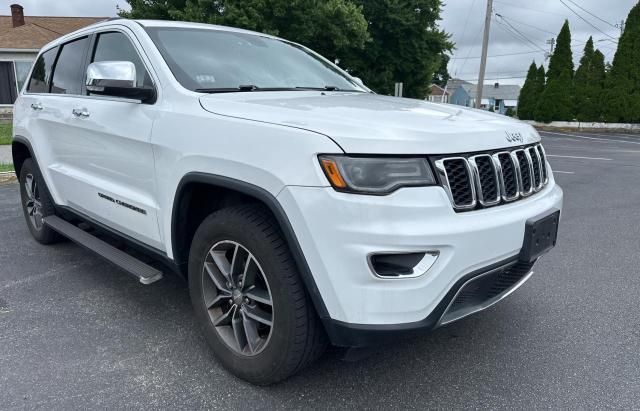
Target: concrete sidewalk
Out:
[5,155]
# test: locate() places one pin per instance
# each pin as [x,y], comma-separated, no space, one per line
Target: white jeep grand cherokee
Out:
[302,208]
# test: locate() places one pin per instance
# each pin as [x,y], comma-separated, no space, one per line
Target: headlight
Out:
[375,175]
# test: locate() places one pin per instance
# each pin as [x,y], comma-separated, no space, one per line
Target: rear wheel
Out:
[36,203]
[249,298]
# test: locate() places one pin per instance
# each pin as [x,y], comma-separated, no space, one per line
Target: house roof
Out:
[38,31]
[455,83]
[437,90]
[503,92]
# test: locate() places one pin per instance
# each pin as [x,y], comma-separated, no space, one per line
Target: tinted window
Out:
[214,59]
[22,71]
[116,46]
[41,76]
[68,73]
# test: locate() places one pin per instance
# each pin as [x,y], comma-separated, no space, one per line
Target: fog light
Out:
[402,265]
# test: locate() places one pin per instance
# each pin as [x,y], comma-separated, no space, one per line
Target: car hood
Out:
[372,124]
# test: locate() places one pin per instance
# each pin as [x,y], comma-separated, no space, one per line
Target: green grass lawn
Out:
[5,134]
[6,167]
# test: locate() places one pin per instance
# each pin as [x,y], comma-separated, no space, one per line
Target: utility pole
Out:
[621,27]
[552,44]
[483,59]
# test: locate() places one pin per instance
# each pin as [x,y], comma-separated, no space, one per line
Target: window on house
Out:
[68,73]
[41,75]
[8,91]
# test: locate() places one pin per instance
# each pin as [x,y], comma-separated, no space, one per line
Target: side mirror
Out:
[359,81]
[117,79]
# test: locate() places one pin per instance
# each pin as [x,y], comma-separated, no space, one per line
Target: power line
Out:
[591,14]
[464,32]
[532,26]
[518,32]
[528,8]
[585,20]
[494,78]
[499,55]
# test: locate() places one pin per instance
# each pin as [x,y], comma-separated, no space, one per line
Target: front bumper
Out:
[337,232]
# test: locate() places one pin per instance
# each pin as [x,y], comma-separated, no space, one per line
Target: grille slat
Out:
[509,177]
[526,183]
[535,162]
[460,182]
[543,161]
[486,180]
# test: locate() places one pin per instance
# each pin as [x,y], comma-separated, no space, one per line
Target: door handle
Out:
[36,106]
[82,113]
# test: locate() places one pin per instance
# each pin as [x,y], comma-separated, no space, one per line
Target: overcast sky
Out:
[536,21]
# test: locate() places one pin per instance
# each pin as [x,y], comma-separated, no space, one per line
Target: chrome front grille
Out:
[487,179]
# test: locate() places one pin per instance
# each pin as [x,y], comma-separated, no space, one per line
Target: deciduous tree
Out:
[406,45]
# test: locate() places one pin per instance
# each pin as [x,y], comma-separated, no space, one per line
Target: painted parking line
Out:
[617,135]
[552,134]
[563,172]
[581,158]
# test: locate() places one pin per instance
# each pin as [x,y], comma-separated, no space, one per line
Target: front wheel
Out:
[249,298]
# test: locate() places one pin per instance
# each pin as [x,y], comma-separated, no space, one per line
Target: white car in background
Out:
[302,208]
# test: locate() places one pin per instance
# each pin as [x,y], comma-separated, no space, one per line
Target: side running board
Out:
[143,272]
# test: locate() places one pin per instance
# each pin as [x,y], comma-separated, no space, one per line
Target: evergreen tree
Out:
[526,101]
[581,83]
[542,81]
[556,102]
[589,84]
[623,83]
[562,58]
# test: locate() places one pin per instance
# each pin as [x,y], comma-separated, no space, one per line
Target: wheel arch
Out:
[20,151]
[230,191]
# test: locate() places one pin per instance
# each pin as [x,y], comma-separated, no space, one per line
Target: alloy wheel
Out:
[237,297]
[33,203]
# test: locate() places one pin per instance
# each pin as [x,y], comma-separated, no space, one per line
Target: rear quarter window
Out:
[42,68]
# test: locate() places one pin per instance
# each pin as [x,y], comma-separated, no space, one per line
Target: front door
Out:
[101,161]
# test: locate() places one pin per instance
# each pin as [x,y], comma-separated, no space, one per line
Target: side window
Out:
[39,82]
[115,46]
[68,73]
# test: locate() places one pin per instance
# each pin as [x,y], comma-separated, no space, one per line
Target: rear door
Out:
[101,159]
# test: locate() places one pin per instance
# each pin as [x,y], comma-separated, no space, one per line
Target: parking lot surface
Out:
[77,333]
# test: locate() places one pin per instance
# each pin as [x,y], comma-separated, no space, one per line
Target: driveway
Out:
[76,333]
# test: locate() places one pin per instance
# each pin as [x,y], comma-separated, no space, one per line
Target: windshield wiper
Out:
[329,88]
[242,89]
[245,88]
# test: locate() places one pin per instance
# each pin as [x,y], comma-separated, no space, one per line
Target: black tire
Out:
[41,232]
[296,337]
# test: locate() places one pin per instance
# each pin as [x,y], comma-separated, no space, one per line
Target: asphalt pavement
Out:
[76,333]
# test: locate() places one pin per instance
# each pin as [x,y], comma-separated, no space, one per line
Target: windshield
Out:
[221,61]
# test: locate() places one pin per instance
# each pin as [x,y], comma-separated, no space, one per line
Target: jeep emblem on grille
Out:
[514,137]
